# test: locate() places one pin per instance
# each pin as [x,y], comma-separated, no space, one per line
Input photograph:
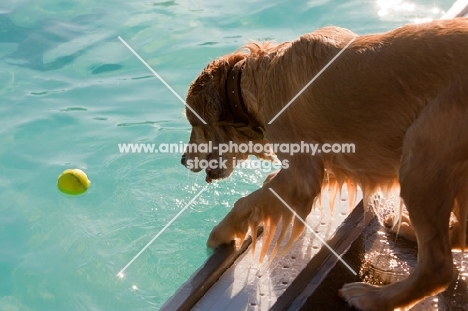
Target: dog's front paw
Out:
[234,226]
[221,236]
[260,208]
[363,297]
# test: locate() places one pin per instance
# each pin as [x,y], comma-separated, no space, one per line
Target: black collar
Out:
[241,119]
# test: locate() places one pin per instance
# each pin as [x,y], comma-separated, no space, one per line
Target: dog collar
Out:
[242,120]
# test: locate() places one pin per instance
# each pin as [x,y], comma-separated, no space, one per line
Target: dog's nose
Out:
[184,159]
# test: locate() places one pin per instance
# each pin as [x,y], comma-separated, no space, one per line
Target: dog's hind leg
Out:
[458,228]
[400,223]
[434,169]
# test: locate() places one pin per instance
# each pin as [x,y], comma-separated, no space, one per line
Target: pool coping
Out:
[317,269]
[206,276]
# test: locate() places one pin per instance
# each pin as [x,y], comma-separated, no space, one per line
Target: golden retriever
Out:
[401,97]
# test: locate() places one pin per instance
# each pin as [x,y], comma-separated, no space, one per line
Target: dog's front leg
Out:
[295,187]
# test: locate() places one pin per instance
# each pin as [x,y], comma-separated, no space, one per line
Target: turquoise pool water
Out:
[70,92]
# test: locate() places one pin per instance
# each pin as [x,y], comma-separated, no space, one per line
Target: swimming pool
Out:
[71,92]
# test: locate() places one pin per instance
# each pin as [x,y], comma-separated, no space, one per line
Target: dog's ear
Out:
[205,98]
[207,95]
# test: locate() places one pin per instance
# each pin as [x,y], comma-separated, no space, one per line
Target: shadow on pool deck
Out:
[380,260]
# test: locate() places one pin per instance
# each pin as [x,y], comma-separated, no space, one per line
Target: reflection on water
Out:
[387,6]
[416,12]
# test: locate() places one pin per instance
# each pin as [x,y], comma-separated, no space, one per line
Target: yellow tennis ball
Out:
[73,181]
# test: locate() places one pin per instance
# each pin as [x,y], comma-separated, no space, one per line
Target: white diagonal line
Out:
[312,230]
[120,274]
[161,79]
[310,82]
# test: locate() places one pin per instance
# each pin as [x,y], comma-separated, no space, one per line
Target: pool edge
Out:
[317,269]
[205,277]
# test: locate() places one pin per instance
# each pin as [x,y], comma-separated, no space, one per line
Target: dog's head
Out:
[219,131]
